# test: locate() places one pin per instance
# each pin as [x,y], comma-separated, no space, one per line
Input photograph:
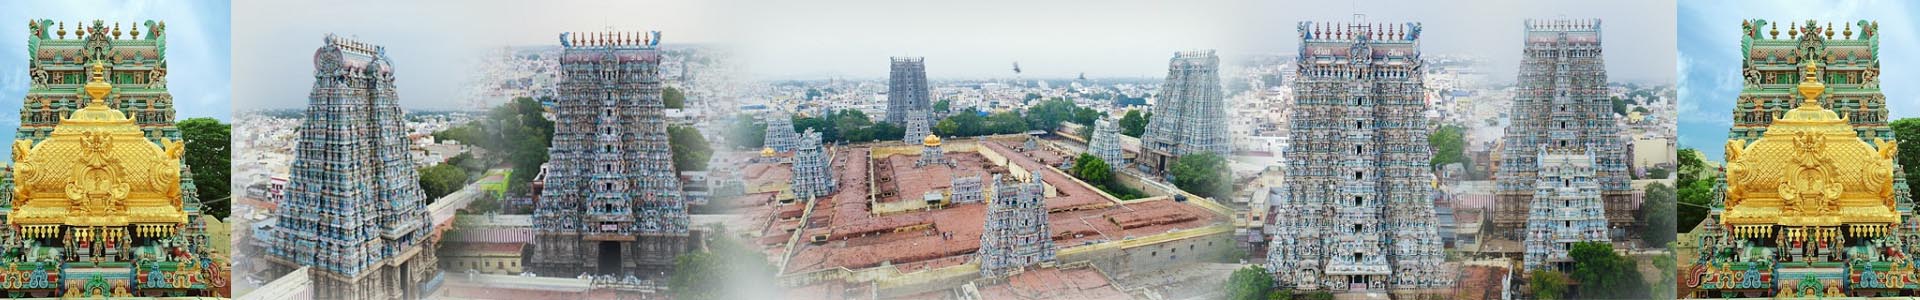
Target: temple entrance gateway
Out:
[609,257]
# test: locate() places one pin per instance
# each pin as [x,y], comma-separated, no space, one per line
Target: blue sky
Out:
[1709,62]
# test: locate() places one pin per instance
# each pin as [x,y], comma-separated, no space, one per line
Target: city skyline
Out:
[439,47]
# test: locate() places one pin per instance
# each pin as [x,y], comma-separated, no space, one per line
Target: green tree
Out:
[1548,285]
[828,132]
[442,179]
[1449,145]
[1006,122]
[1694,190]
[1249,283]
[1619,106]
[1320,295]
[690,150]
[1665,288]
[1092,169]
[944,105]
[1907,132]
[515,131]
[673,97]
[744,133]
[1283,294]
[1203,174]
[1603,274]
[721,271]
[1134,123]
[1657,214]
[209,156]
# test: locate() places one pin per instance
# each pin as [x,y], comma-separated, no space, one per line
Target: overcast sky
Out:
[1710,57]
[197,48]
[971,39]
[433,44]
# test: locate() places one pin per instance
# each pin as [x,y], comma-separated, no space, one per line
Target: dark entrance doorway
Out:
[609,257]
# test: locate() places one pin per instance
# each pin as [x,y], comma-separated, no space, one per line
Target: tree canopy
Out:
[1548,285]
[1249,283]
[673,97]
[1449,145]
[1134,123]
[1603,274]
[690,150]
[745,133]
[1907,132]
[515,131]
[1657,214]
[442,179]
[1694,190]
[1203,174]
[209,156]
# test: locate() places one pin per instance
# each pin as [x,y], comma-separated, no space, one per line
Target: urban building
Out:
[1359,174]
[612,203]
[1190,116]
[354,210]
[1016,235]
[907,89]
[1561,105]
[1812,205]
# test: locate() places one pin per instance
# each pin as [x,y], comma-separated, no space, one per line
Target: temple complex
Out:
[1190,116]
[612,202]
[354,211]
[1562,106]
[907,90]
[99,208]
[1359,171]
[1812,205]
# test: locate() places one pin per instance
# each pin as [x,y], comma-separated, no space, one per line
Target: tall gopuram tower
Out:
[1189,117]
[1566,209]
[612,203]
[1358,165]
[1807,208]
[354,211]
[136,63]
[99,209]
[1105,142]
[907,89]
[780,135]
[1016,234]
[1561,107]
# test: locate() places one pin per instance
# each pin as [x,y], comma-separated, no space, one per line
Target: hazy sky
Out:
[1710,57]
[978,39]
[1637,34]
[972,39]
[197,49]
[434,44]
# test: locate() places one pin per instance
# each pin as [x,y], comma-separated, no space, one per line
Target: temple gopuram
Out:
[97,211]
[1809,207]
[98,201]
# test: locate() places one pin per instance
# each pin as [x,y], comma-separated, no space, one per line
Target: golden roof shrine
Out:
[97,169]
[1810,169]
